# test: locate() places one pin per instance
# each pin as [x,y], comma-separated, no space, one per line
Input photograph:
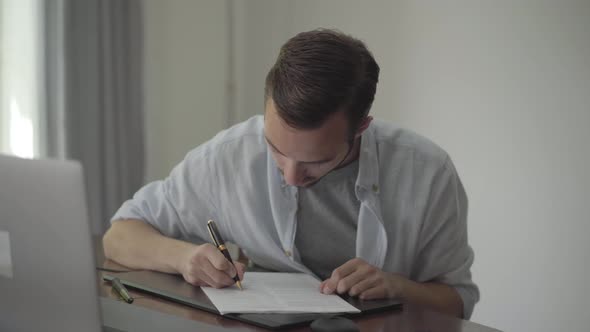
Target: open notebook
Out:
[174,288]
[273,292]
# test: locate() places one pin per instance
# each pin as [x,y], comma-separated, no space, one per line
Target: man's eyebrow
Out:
[303,162]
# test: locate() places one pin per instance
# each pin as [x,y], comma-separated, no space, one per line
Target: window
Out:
[21,76]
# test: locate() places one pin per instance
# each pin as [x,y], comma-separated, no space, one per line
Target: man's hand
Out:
[205,265]
[359,278]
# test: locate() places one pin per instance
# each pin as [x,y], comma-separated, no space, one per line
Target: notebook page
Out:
[272,292]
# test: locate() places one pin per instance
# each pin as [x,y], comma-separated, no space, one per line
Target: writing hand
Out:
[205,265]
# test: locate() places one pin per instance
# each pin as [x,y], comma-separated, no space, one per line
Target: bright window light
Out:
[20,132]
[21,76]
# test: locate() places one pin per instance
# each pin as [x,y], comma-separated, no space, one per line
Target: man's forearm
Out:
[137,245]
[436,296]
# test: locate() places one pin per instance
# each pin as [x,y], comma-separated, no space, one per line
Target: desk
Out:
[410,319]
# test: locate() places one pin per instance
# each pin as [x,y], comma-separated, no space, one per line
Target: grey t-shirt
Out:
[327,220]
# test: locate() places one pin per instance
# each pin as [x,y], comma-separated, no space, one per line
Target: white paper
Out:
[5,259]
[272,292]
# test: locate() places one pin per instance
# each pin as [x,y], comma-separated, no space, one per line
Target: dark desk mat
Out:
[174,288]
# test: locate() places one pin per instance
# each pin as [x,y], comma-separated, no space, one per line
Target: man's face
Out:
[305,155]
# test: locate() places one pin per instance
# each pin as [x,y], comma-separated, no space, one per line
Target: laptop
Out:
[47,273]
[48,280]
[48,277]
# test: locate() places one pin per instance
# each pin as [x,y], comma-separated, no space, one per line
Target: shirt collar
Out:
[368,175]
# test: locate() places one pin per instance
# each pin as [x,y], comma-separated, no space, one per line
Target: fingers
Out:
[193,273]
[322,284]
[382,285]
[241,269]
[346,276]
[219,261]
[219,278]
[374,293]
[362,286]
[362,272]
[197,278]
[208,266]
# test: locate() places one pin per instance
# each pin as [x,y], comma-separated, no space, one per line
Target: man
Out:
[314,186]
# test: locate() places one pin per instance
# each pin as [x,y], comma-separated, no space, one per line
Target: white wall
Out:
[185,45]
[506,89]
[504,86]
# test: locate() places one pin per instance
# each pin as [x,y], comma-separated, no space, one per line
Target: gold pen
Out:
[218,242]
[121,290]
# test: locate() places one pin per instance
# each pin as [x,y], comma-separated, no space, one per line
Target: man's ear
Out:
[363,126]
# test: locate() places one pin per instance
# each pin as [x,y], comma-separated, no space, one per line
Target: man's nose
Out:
[293,174]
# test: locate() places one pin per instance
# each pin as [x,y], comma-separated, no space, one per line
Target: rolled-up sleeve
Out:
[444,254]
[178,206]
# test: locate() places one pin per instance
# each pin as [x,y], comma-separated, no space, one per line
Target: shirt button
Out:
[288,253]
[375,188]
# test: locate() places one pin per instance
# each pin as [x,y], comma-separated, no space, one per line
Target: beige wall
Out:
[185,78]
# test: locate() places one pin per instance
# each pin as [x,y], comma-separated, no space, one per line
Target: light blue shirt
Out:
[412,217]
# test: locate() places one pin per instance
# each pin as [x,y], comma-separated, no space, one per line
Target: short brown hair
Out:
[318,73]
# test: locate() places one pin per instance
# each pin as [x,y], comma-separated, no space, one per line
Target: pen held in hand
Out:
[218,242]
